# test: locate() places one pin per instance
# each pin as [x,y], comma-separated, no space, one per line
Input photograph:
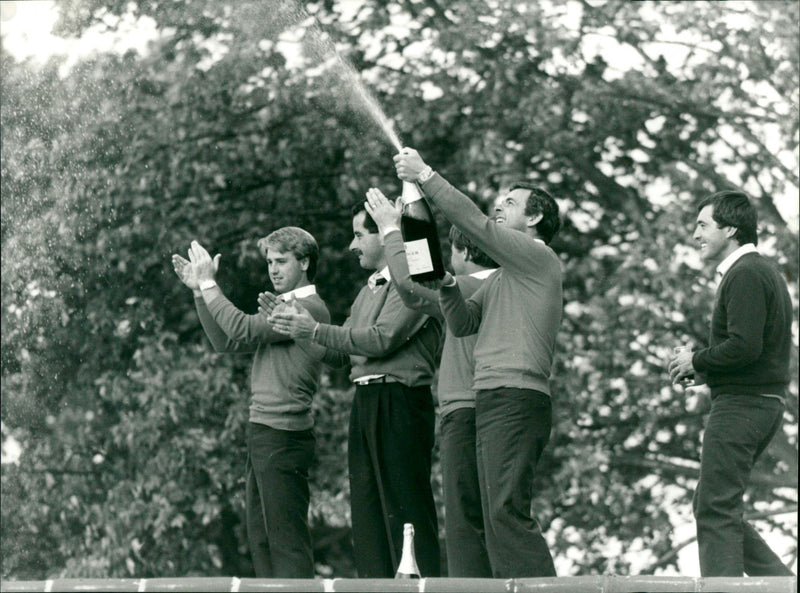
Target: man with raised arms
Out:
[284,377]
[465,538]
[392,352]
[516,314]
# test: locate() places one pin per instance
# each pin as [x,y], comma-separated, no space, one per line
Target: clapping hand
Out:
[267,302]
[293,321]
[185,271]
[205,267]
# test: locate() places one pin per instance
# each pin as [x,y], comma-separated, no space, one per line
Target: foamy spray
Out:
[316,45]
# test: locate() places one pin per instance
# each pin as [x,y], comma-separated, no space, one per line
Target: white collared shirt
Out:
[483,274]
[726,263]
[299,293]
[372,279]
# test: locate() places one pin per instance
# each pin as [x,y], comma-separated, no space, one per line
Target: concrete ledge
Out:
[589,584]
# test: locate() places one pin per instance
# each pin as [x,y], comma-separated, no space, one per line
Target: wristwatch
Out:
[425,174]
[206,284]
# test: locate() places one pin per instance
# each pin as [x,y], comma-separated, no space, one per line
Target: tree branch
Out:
[673,554]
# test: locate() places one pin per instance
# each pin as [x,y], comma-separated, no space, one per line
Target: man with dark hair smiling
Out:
[516,313]
[746,367]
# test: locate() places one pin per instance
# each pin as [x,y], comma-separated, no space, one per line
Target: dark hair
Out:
[540,202]
[299,242]
[460,242]
[369,224]
[733,208]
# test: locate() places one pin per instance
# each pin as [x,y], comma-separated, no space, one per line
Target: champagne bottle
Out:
[420,236]
[408,568]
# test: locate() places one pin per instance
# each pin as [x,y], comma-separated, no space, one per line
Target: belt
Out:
[373,380]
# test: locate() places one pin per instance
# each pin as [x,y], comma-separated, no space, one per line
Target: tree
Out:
[220,133]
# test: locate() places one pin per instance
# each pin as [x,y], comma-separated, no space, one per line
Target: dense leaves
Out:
[239,119]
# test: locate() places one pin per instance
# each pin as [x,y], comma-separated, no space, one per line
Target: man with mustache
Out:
[392,352]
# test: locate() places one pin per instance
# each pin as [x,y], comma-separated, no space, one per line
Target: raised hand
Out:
[408,164]
[384,212]
[185,271]
[205,267]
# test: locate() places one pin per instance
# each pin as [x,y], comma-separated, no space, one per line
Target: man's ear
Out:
[730,231]
[304,263]
[534,220]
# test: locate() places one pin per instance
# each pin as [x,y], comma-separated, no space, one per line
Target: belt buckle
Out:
[370,380]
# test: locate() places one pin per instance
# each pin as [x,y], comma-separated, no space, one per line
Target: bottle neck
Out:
[408,563]
[408,547]
[411,192]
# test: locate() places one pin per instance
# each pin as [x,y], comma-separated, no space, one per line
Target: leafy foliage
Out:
[133,432]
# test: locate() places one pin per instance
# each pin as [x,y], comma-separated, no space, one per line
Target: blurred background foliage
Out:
[236,121]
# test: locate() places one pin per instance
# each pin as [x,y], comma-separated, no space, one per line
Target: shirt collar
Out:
[481,274]
[300,293]
[726,263]
[373,278]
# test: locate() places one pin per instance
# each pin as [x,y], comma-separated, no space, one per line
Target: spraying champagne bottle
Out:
[408,568]
[420,236]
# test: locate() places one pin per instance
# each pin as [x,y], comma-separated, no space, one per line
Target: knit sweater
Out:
[517,311]
[454,389]
[384,337]
[751,331]
[284,374]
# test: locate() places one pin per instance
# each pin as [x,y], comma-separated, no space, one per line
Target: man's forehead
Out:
[273,253]
[359,219]
[517,194]
[706,213]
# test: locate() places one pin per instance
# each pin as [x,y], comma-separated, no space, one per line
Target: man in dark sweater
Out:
[746,367]
[392,353]
[516,314]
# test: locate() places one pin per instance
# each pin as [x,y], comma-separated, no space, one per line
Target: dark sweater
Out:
[751,331]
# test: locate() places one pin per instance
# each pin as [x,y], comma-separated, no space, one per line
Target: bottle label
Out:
[419,257]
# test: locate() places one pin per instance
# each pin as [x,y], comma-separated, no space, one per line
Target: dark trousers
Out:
[513,428]
[389,454]
[464,530]
[277,497]
[738,430]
